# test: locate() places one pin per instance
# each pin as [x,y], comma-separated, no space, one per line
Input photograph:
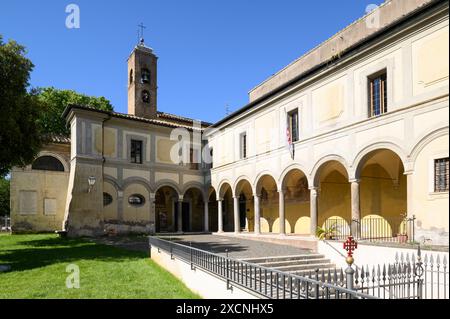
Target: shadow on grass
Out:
[43,252]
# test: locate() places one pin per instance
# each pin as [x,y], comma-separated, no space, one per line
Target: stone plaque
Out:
[28,202]
[50,206]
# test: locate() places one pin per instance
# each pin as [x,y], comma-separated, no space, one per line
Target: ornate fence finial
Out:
[350,245]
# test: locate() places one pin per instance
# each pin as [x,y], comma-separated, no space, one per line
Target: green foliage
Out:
[4,196]
[19,108]
[38,270]
[53,103]
[327,232]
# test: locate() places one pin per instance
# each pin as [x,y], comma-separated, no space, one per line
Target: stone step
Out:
[306,267]
[260,260]
[276,263]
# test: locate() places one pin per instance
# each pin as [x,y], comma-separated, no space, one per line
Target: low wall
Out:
[370,255]
[201,282]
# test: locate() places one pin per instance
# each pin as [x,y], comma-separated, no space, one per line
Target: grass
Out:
[38,270]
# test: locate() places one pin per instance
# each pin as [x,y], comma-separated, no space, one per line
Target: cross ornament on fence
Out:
[350,245]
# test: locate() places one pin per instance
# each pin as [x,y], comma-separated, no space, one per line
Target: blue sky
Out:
[211,52]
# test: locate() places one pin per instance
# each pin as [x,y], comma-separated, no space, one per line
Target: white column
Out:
[257,225]
[313,209]
[206,217]
[220,216]
[180,214]
[237,223]
[409,203]
[356,208]
[281,212]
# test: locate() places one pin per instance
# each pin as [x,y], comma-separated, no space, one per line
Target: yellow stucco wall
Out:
[136,214]
[47,185]
[431,209]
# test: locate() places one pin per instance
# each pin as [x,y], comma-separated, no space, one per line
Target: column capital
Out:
[152,196]
[282,190]
[256,195]
[314,188]
[408,172]
[354,180]
[219,199]
[180,198]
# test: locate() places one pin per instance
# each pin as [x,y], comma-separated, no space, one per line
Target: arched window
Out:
[136,200]
[107,199]
[145,96]
[47,163]
[131,76]
[145,76]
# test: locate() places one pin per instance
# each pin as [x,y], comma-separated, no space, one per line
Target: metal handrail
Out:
[246,267]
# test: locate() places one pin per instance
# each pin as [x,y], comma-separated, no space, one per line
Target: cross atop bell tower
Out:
[142,79]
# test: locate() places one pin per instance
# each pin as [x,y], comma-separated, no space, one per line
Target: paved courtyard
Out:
[237,247]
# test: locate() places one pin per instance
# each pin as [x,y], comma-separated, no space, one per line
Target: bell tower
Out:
[142,81]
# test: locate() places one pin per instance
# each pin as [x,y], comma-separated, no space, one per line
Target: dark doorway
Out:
[186,217]
[242,210]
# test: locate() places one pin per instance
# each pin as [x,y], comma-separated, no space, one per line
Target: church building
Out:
[352,136]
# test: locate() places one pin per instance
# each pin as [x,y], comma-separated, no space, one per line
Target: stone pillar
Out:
[313,209]
[410,229]
[356,208]
[180,214]
[220,216]
[152,224]
[206,217]
[237,223]
[281,212]
[257,216]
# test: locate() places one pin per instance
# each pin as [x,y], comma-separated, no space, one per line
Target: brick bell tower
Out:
[142,81]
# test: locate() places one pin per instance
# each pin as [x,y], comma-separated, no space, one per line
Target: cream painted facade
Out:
[348,167]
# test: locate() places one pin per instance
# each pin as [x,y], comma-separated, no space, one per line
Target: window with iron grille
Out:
[136,151]
[193,159]
[378,94]
[293,125]
[441,175]
[243,145]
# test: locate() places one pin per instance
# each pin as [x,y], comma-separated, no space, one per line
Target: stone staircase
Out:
[303,265]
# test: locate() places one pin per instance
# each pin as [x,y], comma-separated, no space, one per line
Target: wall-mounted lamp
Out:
[91,182]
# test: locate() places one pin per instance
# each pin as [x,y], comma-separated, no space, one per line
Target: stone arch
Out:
[260,176]
[315,172]
[57,156]
[200,187]
[288,170]
[112,181]
[136,180]
[423,141]
[221,191]
[360,159]
[238,185]
[168,183]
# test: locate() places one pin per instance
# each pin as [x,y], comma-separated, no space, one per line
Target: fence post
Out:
[350,245]
[190,251]
[228,270]
[418,272]
[317,285]
[150,248]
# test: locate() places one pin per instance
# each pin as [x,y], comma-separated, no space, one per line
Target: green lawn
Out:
[38,270]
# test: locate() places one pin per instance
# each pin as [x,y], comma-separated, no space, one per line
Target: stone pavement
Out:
[238,248]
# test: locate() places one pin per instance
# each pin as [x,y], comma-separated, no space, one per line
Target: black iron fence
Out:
[5,224]
[371,229]
[264,281]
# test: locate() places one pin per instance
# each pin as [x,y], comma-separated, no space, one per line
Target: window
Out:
[107,199]
[136,151]
[145,76]
[131,76]
[47,163]
[136,200]
[293,125]
[378,94]
[145,96]
[243,145]
[193,160]
[211,152]
[441,175]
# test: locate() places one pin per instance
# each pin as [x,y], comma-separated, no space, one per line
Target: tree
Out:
[4,196]
[20,134]
[54,101]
